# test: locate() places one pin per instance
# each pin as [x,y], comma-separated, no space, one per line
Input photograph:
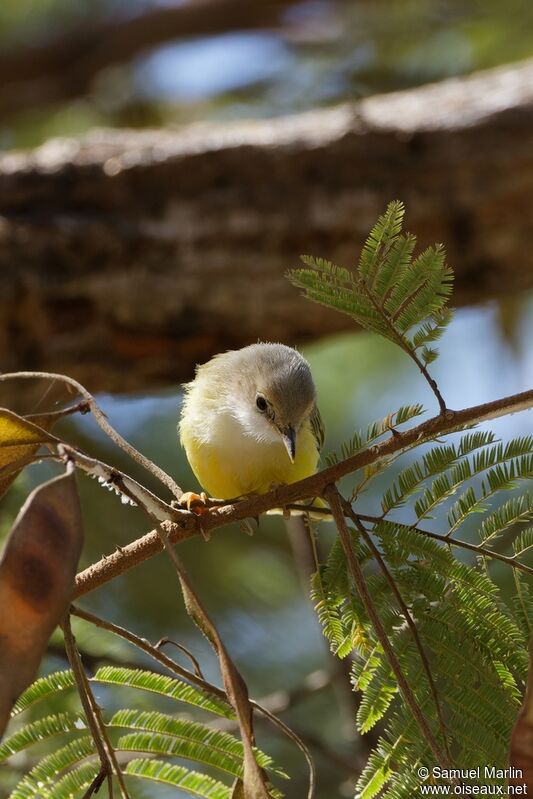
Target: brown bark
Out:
[128,256]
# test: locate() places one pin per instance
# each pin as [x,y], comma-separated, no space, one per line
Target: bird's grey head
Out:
[274,392]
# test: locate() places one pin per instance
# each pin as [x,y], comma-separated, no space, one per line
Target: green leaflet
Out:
[166,686]
[183,738]
[375,430]
[435,461]
[504,466]
[190,781]
[37,731]
[76,780]
[44,688]
[43,777]
[389,292]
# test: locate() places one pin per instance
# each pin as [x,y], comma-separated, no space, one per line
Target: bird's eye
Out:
[261,403]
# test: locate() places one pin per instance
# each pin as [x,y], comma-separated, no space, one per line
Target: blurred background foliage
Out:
[323,53]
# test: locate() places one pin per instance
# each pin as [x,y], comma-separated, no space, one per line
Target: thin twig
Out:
[101,420]
[338,760]
[95,785]
[150,649]
[295,738]
[431,382]
[89,702]
[84,692]
[335,501]
[81,407]
[165,640]
[407,615]
[402,343]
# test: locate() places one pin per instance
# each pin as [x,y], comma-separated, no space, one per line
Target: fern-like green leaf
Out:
[504,466]
[376,699]
[167,746]
[523,606]
[42,779]
[178,777]
[432,331]
[39,730]
[515,510]
[429,354]
[44,688]
[504,476]
[382,237]
[434,462]
[421,291]
[74,782]
[327,609]
[389,293]
[166,686]
[524,541]
[190,739]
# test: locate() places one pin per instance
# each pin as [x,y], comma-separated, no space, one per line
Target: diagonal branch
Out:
[149,545]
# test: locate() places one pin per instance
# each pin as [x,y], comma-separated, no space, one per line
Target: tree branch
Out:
[218,516]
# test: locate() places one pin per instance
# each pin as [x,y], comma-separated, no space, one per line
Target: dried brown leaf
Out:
[37,574]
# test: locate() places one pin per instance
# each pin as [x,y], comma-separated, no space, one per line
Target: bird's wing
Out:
[317,426]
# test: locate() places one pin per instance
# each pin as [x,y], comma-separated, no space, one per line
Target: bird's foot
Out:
[282,511]
[196,503]
[247,527]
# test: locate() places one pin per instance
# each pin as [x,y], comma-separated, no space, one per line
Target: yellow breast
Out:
[230,464]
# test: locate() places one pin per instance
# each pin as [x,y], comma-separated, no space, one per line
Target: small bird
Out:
[250,422]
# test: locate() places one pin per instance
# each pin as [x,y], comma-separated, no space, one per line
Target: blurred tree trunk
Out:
[128,256]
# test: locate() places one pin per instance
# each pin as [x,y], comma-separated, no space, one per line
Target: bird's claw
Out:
[196,503]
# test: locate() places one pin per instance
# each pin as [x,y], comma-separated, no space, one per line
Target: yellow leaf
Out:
[20,439]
